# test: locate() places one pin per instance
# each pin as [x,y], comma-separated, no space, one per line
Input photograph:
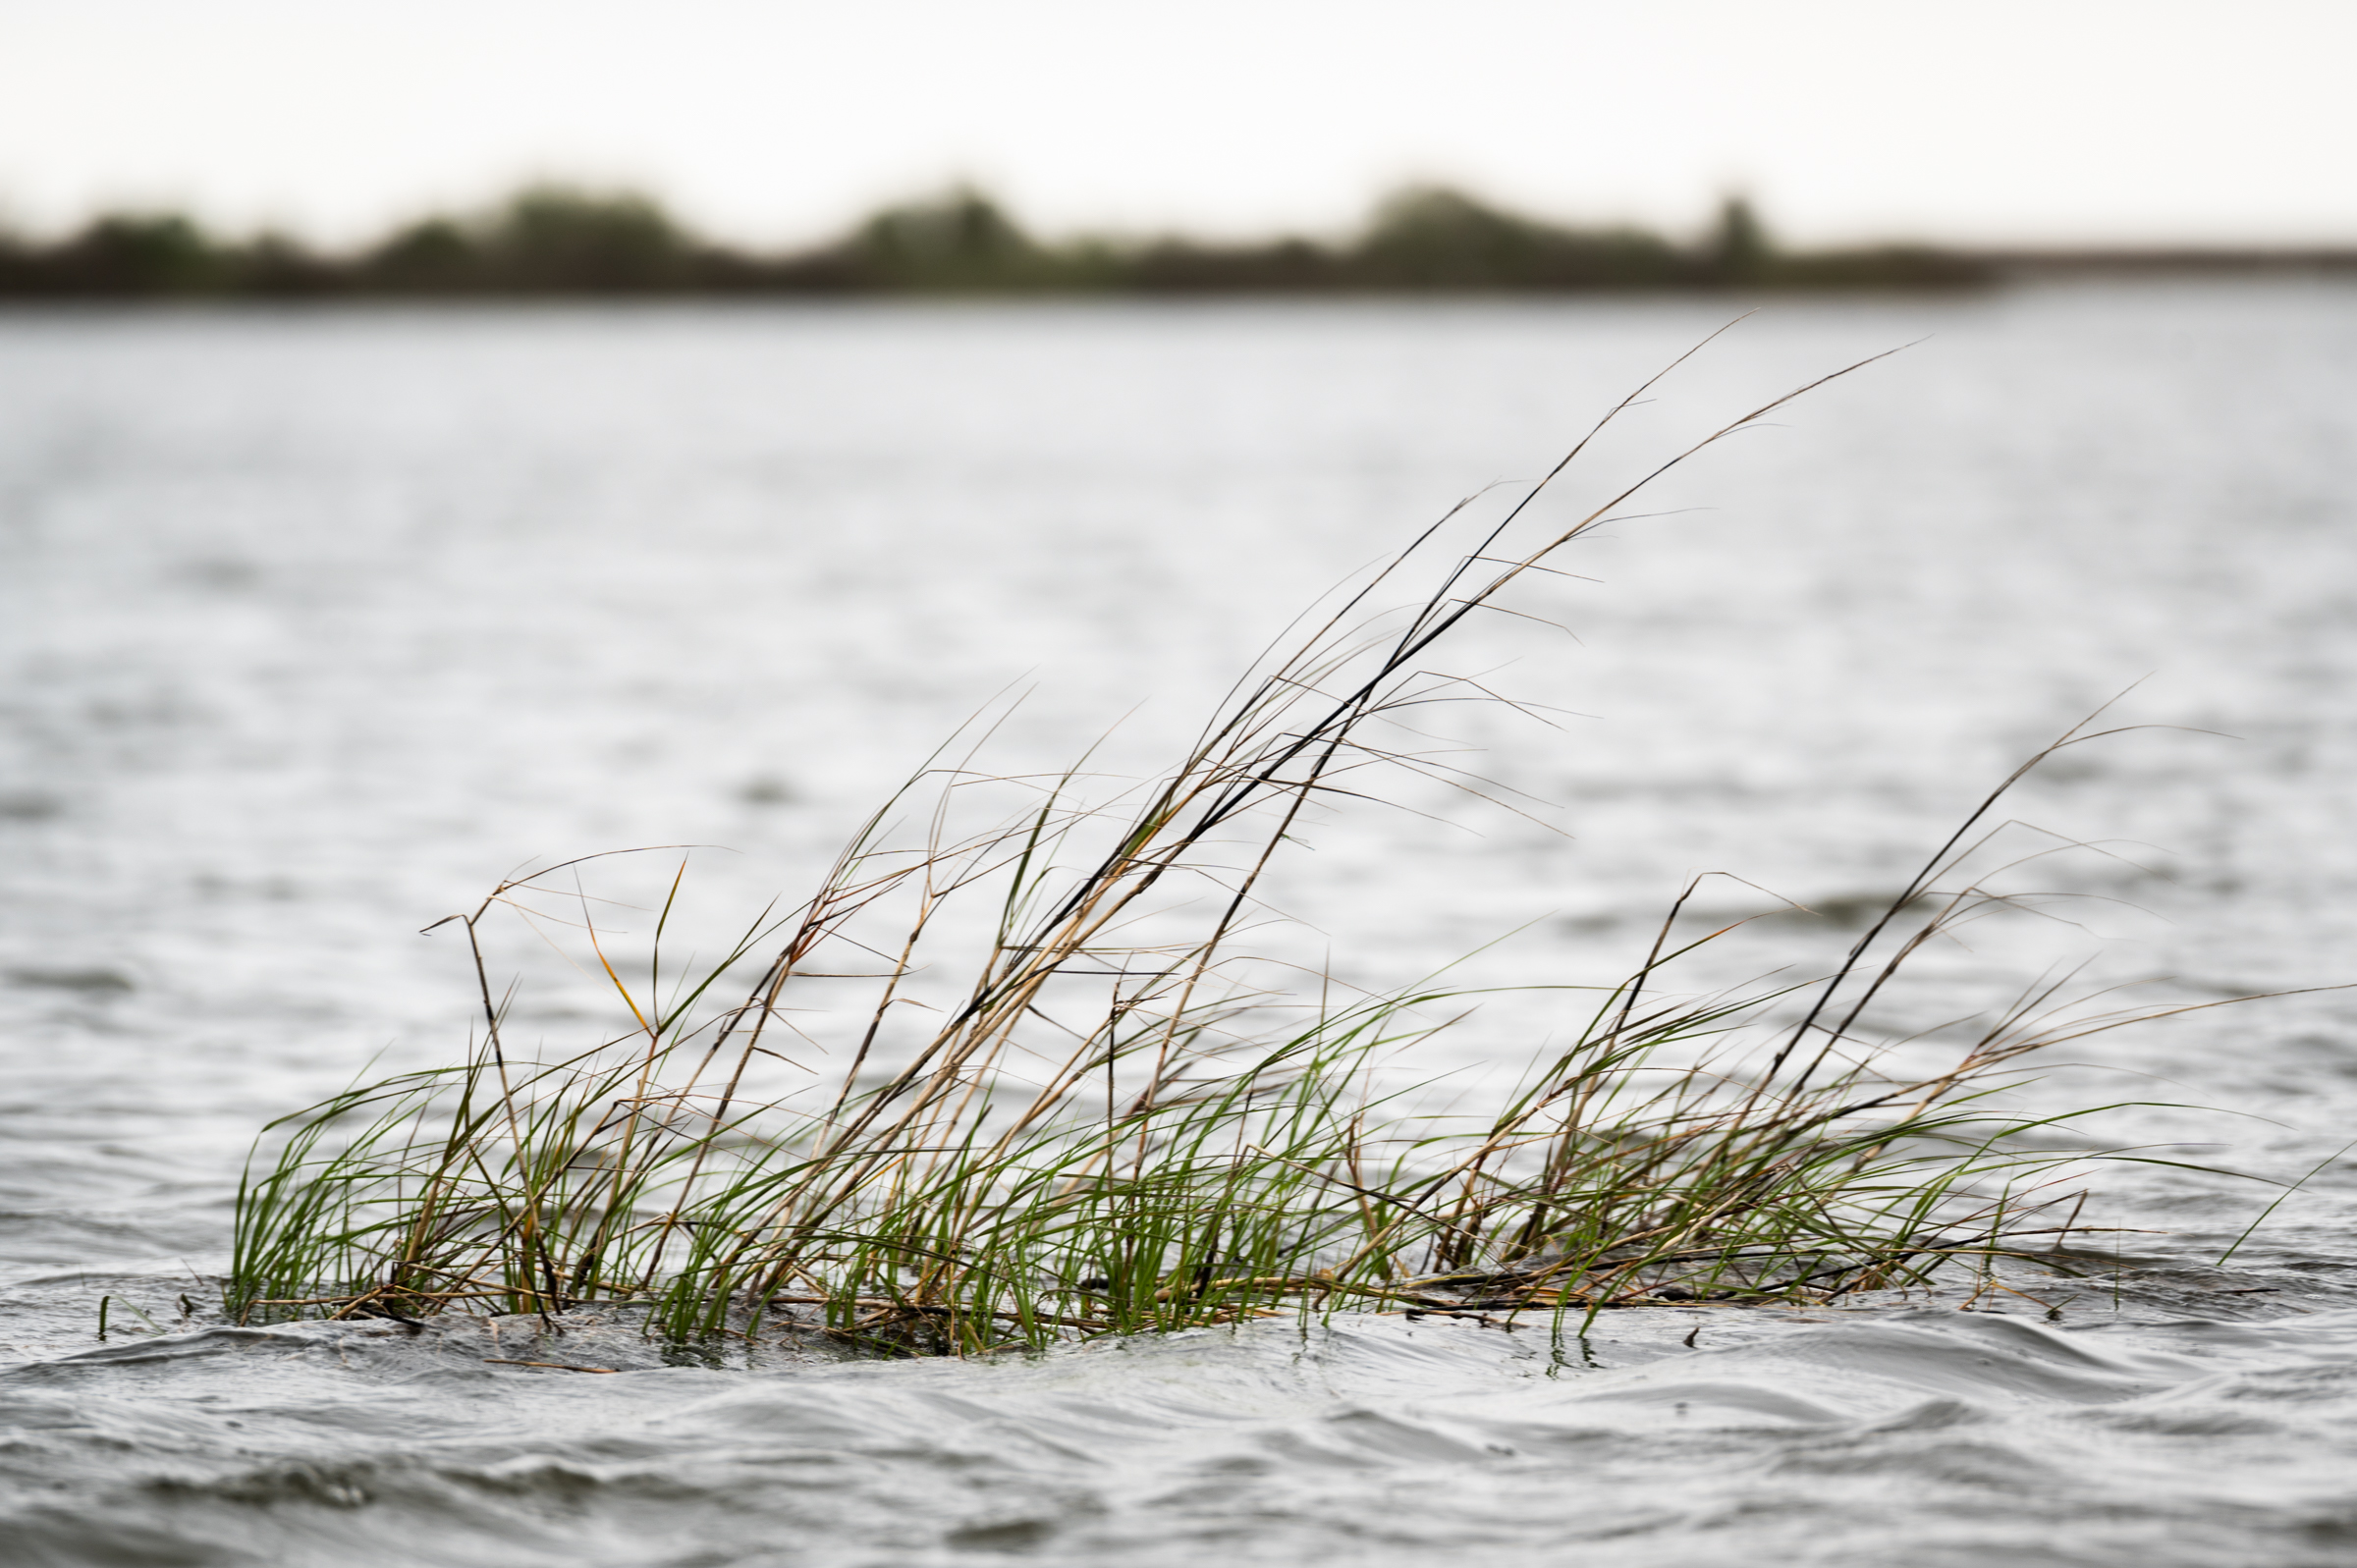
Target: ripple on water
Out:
[301,665]
[1373,1441]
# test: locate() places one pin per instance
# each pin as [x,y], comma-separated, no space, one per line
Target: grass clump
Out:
[1113,1124]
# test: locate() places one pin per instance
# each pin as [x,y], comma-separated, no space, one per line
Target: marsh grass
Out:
[1119,1122]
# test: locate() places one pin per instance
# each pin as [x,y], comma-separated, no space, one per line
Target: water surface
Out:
[314,625]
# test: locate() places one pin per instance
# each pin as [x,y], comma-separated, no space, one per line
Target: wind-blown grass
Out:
[1112,1127]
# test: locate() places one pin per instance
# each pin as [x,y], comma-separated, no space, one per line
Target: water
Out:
[316,624]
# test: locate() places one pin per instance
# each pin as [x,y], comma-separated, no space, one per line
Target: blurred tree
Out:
[1432,236]
[1739,251]
[1429,236]
[275,265]
[563,238]
[959,240]
[138,253]
[433,253]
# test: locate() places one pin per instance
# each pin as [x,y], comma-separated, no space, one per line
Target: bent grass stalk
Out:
[1113,1128]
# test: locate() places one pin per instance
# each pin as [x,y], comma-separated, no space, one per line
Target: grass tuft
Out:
[1111,1126]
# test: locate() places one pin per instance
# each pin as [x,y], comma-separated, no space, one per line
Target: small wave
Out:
[1369,1441]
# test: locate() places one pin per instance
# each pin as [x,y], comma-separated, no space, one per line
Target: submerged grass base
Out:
[1112,1129]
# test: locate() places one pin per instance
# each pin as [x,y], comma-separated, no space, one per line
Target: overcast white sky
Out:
[1993,119]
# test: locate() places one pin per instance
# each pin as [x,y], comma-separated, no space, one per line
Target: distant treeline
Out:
[556,240]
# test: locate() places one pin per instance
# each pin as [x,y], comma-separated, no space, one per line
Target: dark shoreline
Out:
[561,243]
